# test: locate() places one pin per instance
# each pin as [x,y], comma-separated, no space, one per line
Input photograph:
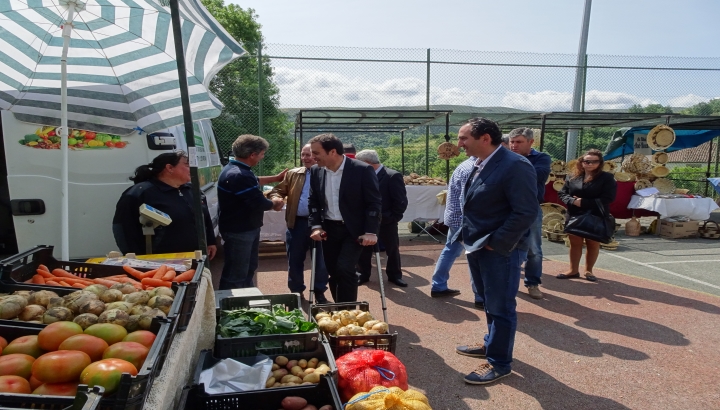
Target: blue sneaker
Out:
[485,374]
[471,350]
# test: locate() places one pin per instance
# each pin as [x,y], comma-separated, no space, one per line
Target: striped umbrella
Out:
[121,68]
[108,66]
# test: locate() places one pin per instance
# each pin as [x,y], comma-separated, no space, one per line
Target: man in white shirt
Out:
[345,208]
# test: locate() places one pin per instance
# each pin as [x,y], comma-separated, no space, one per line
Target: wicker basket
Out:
[632,227]
[555,235]
[709,232]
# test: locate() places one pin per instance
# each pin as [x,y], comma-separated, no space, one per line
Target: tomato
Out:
[143,337]
[89,135]
[34,383]
[55,333]
[3,343]
[17,364]
[57,389]
[109,332]
[133,352]
[25,344]
[109,144]
[93,346]
[14,384]
[60,367]
[107,373]
[120,144]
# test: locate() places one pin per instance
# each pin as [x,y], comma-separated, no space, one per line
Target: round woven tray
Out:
[709,232]
[552,208]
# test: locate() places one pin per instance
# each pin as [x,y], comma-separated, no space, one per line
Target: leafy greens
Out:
[261,321]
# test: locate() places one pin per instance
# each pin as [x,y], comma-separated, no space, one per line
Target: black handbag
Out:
[589,226]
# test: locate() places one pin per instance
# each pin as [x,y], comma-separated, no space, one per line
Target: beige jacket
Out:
[290,187]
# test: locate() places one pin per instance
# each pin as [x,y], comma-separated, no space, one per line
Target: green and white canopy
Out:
[121,68]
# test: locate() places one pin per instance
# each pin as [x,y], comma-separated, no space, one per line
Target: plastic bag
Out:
[382,398]
[361,370]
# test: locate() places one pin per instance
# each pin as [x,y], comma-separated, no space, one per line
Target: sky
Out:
[617,28]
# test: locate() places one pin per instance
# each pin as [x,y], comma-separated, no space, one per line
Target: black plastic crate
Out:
[19,268]
[86,399]
[341,345]
[325,392]
[133,390]
[265,344]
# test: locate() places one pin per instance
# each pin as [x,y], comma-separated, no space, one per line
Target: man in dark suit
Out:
[500,206]
[345,206]
[394,203]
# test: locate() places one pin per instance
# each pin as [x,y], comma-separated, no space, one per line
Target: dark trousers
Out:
[241,259]
[341,253]
[388,234]
[497,278]
[297,243]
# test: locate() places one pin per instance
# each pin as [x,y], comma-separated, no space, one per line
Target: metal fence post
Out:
[260,97]
[427,107]
[402,150]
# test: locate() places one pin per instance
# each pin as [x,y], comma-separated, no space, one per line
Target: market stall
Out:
[697,209]
[423,203]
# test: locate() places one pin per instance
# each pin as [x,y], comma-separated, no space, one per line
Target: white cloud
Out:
[687,100]
[549,100]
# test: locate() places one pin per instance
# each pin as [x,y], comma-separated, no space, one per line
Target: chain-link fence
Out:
[273,82]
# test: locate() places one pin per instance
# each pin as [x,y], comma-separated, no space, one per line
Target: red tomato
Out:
[143,337]
[3,342]
[55,333]
[57,389]
[109,144]
[133,352]
[17,364]
[120,144]
[107,373]
[34,383]
[60,367]
[93,346]
[26,345]
[14,384]
[89,135]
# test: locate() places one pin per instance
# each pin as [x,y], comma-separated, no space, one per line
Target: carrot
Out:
[43,267]
[150,288]
[29,280]
[185,276]
[38,279]
[170,275]
[63,283]
[73,281]
[105,282]
[133,282]
[162,270]
[62,273]
[52,283]
[44,274]
[136,273]
[79,285]
[156,282]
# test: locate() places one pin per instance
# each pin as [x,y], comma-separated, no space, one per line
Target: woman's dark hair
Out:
[152,170]
[480,126]
[580,170]
[328,142]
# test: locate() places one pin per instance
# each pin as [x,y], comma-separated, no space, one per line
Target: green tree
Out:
[237,87]
[650,109]
[711,107]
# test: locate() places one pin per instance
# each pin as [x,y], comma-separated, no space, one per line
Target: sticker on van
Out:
[46,137]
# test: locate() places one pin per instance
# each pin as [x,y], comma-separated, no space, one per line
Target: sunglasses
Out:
[590,162]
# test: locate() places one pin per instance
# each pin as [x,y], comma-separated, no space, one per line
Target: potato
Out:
[312,378]
[356,331]
[86,320]
[32,312]
[363,317]
[309,407]
[281,360]
[139,310]
[280,373]
[325,407]
[12,306]
[115,316]
[55,302]
[287,378]
[96,307]
[275,366]
[111,295]
[140,297]
[146,318]
[297,371]
[291,364]
[381,327]
[320,363]
[313,362]
[371,332]
[321,315]
[270,382]
[57,314]
[370,323]
[41,297]
[125,288]
[96,289]
[307,371]
[124,306]
[162,291]
[161,302]
[329,326]
[346,318]
[302,363]
[293,403]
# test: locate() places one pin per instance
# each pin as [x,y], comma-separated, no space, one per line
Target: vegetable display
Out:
[350,323]
[296,372]
[260,321]
[64,355]
[160,277]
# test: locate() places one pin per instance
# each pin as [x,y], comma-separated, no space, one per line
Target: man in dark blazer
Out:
[345,206]
[500,206]
[394,204]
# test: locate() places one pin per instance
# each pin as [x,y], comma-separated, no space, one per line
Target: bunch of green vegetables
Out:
[260,321]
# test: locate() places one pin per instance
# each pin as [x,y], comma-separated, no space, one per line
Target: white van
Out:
[99,168]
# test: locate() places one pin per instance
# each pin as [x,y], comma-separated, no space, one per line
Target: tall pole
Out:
[260,97]
[64,135]
[427,107]
[188,122]
[571,146]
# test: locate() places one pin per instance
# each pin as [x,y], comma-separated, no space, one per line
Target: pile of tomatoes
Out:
[62,355]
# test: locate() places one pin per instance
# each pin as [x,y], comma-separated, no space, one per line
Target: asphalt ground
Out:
[644,336]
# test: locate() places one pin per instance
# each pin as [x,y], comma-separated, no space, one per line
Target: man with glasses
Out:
[521,140]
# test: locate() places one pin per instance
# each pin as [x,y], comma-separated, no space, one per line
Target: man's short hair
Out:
[247,144]
[368,155]
[505,139]
[328,142]
[349,148]
[522,132]
[480,126]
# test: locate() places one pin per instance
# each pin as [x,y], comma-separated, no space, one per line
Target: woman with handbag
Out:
[587,195]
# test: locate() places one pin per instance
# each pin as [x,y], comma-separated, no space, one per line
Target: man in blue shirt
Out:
[453,219]
[521,140]
[242,207]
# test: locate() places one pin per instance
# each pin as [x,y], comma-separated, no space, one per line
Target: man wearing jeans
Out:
[242,207]
[499,206]
[296,187]
[521,140]
[453,219]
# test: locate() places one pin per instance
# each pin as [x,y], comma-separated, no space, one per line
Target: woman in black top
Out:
[164,185]
[579,193]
